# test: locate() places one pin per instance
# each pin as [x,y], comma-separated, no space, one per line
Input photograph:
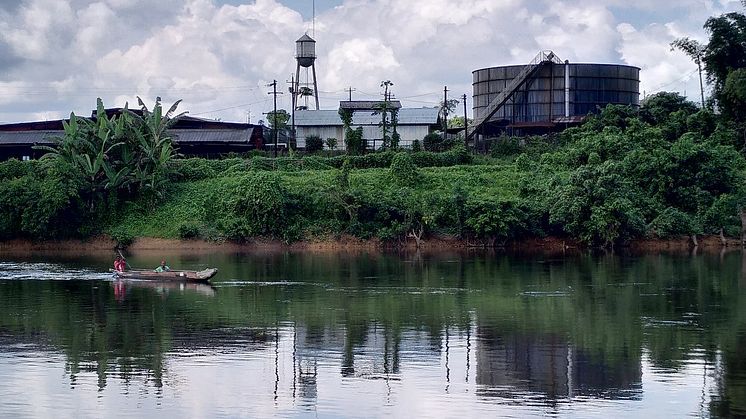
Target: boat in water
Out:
[195,276]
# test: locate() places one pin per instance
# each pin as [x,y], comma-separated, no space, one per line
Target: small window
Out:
[26,158]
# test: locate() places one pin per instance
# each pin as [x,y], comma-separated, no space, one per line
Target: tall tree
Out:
[278,120]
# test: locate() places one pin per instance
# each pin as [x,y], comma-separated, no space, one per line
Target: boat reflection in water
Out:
[161,287]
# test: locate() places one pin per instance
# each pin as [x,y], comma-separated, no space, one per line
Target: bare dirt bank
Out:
[347,243]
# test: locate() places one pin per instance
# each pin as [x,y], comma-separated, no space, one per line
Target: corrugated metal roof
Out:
[367,104]
[28,137]
[180,136]
[407,116]
[211,135]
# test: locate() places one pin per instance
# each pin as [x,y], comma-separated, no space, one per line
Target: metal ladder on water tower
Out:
[498,102]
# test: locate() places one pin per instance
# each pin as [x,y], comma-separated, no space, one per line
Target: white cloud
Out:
[59,55]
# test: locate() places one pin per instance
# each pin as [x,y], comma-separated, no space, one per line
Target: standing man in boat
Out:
[162,267]
[119,264]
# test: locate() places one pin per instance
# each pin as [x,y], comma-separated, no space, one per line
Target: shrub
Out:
[189,230]
[435,142]
[122,237]
[354,141]
[314,143]
[672,222]
[416,146]
[251,205]
[505,146]
[331,143]
[403,170]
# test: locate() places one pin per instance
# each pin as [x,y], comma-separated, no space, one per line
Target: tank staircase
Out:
[498,102]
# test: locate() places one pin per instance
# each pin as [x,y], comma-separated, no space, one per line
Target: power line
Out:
[231,107]
[658,88]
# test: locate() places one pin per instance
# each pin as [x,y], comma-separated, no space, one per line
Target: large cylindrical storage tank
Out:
[543,100]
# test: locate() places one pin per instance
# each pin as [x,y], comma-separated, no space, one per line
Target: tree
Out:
[383,109]
[446,108]
[279,120]
[733,98]
[695,51]
[314,144]
[331,143]
[724,51]
[150,146]
[354,141]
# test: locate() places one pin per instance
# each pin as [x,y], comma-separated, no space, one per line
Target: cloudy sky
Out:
[58,56]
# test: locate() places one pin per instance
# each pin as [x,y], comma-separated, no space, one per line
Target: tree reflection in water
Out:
[555,327]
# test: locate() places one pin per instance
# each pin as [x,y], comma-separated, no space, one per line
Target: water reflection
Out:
[121,286]
[573,334]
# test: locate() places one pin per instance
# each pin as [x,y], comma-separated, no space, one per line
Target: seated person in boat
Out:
[162,267]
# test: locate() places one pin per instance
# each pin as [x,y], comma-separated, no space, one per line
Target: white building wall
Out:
[407,134]
[324,132]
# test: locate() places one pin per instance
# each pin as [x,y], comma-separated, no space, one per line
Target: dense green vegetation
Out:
[666,169]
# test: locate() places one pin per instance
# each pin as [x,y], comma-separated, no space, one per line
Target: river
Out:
[369,334]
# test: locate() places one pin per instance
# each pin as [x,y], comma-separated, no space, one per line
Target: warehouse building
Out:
[413,123]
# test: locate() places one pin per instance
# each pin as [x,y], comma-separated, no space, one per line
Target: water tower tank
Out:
[305,51]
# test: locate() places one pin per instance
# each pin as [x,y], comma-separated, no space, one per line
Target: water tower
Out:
[306,57]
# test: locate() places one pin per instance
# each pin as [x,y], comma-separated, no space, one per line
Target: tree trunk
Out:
[694,240]
[417,235]
[723,242]
[743,226]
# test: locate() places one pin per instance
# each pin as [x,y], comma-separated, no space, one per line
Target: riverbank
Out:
[349,243]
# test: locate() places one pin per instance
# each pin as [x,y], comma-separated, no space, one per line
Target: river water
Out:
[470,334]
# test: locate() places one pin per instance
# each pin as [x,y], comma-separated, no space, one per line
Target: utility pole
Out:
[466,124]
[384,110]
[274,114]
[350,90]
[701,87]
[293,100]
[445,113]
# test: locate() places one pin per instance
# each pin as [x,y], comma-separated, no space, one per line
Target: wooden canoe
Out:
[202,275]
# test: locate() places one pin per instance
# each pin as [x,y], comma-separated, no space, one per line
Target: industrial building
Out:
[547,94]
[192,137]
[413,123]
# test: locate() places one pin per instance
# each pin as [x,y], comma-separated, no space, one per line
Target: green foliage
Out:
[672,222]
[122,237]
[14,168]
[279,119]
[403,170]
[314,144]
[494,220]
[505,146]
[189,230]
[331,143]
[435,142]
[354,141]
[416,146]
[250,205]
[346,116]
[733,98]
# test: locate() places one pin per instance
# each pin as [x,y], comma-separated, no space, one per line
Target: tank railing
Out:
[541,58]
